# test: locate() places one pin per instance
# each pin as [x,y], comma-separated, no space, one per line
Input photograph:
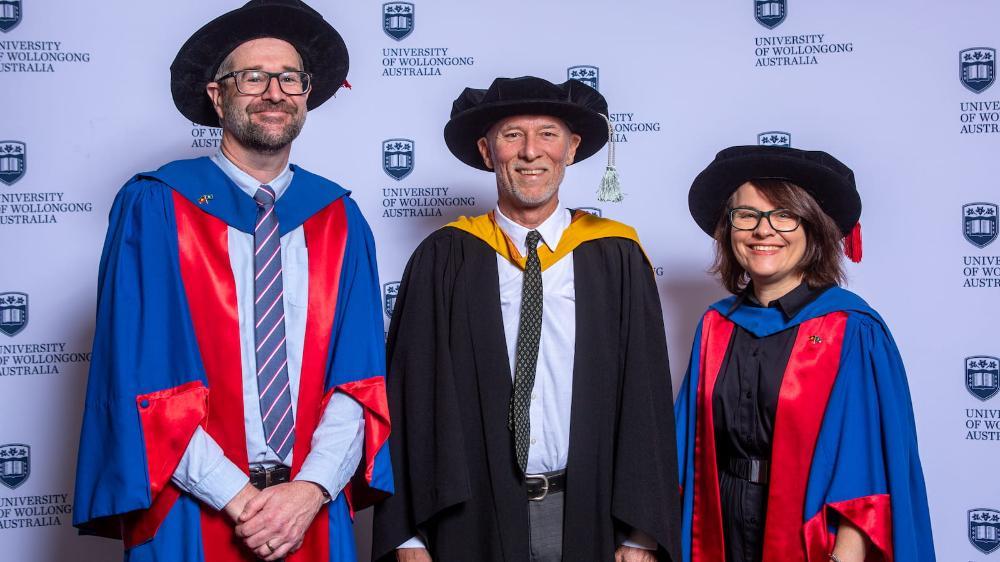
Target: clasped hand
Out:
[272,522]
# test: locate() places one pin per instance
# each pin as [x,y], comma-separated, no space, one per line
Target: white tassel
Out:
[611,187]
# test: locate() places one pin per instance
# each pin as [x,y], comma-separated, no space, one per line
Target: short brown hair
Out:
[821,264]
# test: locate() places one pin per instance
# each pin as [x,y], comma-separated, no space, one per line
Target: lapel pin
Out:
[815,339]
[205,198]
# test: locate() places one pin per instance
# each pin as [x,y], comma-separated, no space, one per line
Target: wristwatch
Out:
[833,558]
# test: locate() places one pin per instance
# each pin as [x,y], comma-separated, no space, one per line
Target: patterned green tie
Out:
[529,332]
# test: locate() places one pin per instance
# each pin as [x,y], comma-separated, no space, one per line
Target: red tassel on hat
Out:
[852,244]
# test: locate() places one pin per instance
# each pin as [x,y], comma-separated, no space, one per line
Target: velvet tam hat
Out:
[323,52]
[826,179]
[581,107]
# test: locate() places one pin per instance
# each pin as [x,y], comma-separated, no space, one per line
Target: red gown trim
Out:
[326,241]
[168,419]
[371,394]
[203,246]
[872,515]
[805,389]
[706,524]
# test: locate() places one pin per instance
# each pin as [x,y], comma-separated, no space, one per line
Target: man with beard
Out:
[528,378]
[237,383]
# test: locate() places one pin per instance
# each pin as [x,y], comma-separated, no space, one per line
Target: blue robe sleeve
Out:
[866,458]
[145,363]
[358,355]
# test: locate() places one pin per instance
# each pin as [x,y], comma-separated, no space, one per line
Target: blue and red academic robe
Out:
[845,444]
[167,359]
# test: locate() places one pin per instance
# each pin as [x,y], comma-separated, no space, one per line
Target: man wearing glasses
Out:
[237,384]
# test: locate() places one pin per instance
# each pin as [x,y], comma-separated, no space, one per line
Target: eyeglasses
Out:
[748,218]
[256,82]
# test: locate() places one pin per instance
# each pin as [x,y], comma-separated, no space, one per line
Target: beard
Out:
[530,198]
[255,136]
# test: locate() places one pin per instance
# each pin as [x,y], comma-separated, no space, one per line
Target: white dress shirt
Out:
[204,470]
[552,395]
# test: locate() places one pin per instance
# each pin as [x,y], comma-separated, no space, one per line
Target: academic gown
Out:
[844,444]
[449,382]
[166,359]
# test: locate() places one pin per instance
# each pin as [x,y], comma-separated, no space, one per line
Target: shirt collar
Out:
[790,304]
[246,182]
[551,228]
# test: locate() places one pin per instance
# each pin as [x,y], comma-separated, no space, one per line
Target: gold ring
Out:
[269,547]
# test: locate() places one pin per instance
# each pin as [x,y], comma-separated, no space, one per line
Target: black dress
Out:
[744,401]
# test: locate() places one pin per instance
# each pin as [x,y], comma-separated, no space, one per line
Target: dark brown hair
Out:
[821,264]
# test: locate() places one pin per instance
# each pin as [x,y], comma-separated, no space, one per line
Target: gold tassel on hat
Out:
[611,188]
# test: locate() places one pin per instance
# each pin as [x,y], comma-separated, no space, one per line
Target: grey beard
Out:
[253,136]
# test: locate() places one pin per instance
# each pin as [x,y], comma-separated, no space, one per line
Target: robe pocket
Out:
[295,276]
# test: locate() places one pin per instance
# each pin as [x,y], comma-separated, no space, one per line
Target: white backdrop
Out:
[84,88]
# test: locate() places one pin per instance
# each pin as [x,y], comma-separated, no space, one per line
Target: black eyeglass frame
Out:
[761,215]
[270,76]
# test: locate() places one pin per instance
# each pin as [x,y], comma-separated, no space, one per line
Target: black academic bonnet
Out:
[827,179]
[323,52]
[581,107]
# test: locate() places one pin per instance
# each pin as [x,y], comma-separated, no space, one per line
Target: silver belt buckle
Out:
[545,486]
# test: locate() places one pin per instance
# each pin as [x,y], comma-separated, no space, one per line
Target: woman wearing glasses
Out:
[794,422]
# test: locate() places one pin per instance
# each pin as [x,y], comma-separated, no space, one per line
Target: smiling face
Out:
[529,154]
[267,122]
[772,259]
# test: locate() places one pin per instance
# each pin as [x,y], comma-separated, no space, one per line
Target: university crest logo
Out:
[774,138]
[982,376]
[12,161]
[589,75]
[15,464]
[984,529]
[397,19]
[592,210]
[979,223]
[13,313]
[397,158]
[770,13]
[10,14]
[389,292]
[977,67]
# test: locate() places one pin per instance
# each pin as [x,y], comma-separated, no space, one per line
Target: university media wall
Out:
[904,92]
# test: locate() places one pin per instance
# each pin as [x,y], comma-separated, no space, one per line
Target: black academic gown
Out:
[449,385]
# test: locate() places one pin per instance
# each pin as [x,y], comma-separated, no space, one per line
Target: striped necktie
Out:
[269,329]
[529,334]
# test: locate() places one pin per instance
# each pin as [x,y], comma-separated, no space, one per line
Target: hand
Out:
[630,554]
[235,506]
[413,555]
[274,522]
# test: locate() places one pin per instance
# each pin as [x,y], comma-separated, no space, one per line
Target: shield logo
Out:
[13,313]
[977,67]
[397,158]
[589,75]
[979,223]
[10,14]
[389,292]
[982,376]
[592,210]
[15,464]
[774,138]
[397,19]
[984,529]
[12,161]
[770,13]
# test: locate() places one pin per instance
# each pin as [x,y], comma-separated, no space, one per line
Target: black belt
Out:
[541,485]
[756,471]
[264,476]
